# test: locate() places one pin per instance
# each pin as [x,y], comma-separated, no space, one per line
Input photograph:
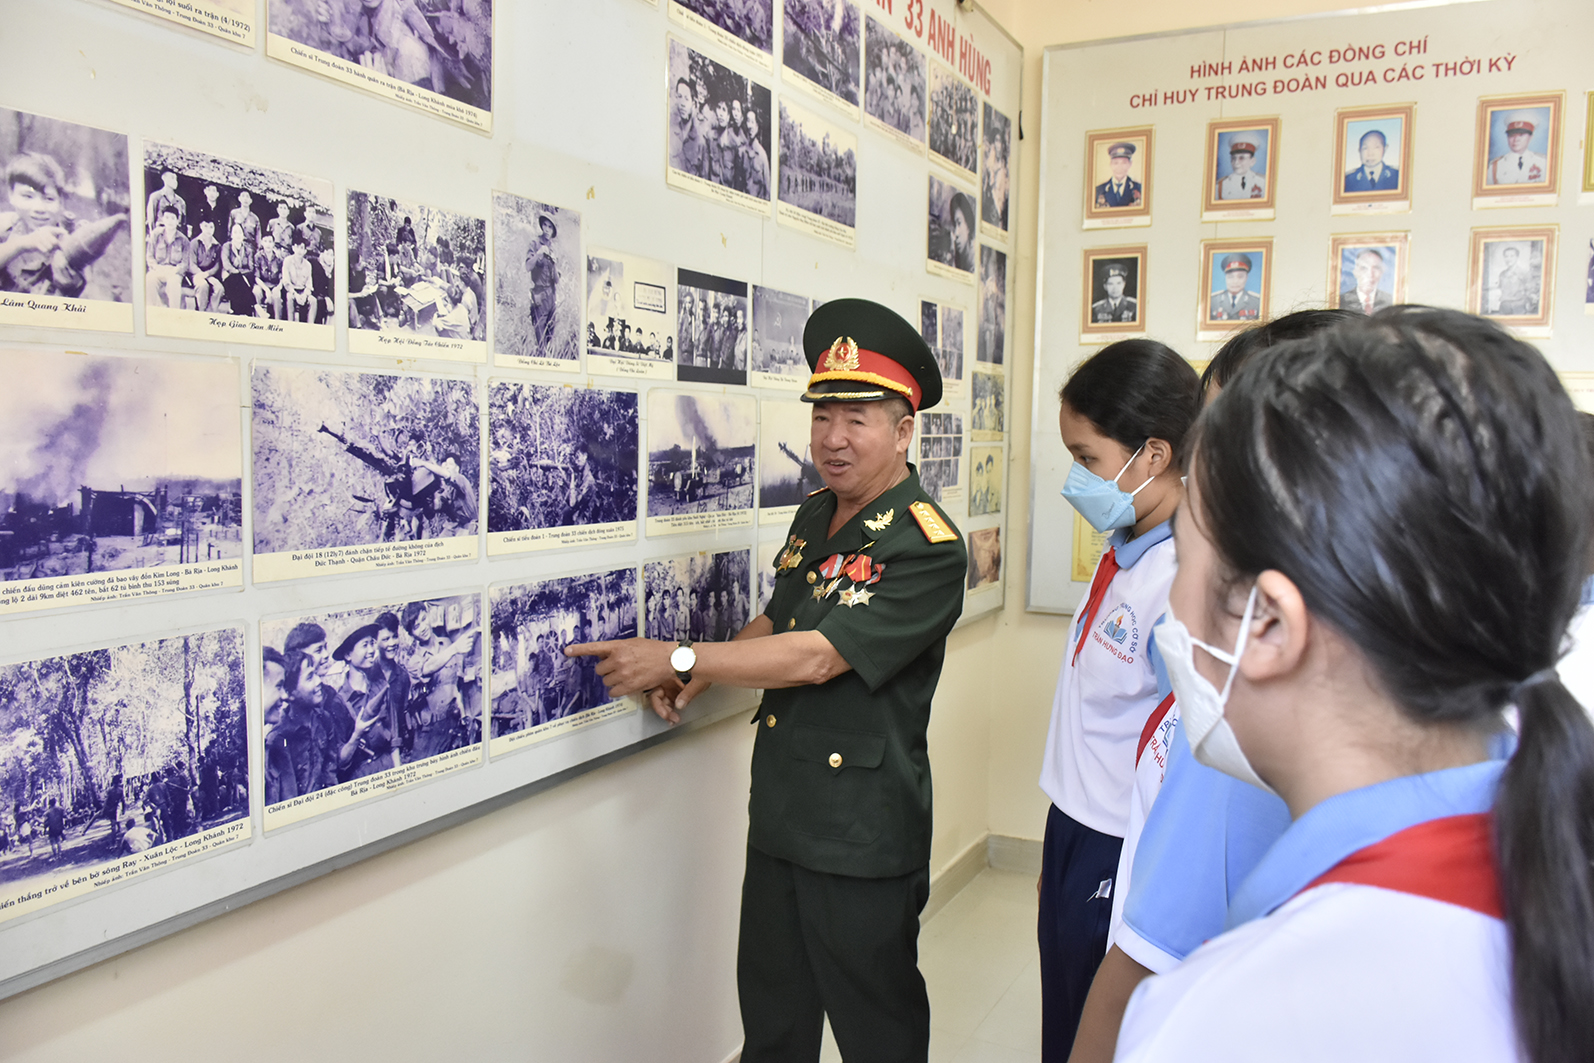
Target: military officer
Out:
[1117,307]
[1120,190]
[1234,302]
[1241,183]
[1515,285]
[1372,175]
[1518,166]
[849,652]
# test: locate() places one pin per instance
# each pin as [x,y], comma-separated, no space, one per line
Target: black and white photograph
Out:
[996,147]
[950,229]
[818,176]
[823,46]
[120,478]
[231,20]
[1512,276]
[362,702]
[537,691]
[434,55]
[702,597]
[700,460]
[711,328]
[1113,296]
[988,408]
[65,229]
[942,327]
[630,316]
[985,558]
[941,455]
[718,132]
[894,84]
[538,297]
[786,470]
[562,466]
[745,28]
[777,352]
[236,252]
[355,471]
[954,122]
[992,342]
[417,280]
[119,760]
[767,552]
[985,481]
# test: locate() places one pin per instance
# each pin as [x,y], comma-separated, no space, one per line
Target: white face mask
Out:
[1200,704]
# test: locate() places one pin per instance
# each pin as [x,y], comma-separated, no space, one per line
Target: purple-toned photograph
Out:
[895,78]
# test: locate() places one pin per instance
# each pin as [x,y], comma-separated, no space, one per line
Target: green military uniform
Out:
[839,836]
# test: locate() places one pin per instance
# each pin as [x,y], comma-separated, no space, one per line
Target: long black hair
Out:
[1422,478]
[1135,390]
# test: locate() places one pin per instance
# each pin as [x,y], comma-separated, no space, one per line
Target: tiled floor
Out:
[978,956]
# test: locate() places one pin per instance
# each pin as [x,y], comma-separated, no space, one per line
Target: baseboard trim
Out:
[1007,853]
[734,1057]
[950,880]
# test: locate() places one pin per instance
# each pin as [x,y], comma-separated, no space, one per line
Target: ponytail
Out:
[1544,823]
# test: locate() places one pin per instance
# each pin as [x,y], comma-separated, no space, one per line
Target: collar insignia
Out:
[881,521]
[842,356]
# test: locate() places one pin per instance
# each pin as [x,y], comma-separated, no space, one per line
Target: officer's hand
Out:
[628,666]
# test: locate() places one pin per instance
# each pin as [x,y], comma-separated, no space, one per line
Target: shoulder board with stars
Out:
[821,491]
[931,524]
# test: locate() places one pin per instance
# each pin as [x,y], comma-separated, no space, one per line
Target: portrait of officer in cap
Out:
[848,652]
[1519,164]
[1243,181]
[1116,306]
[1235,301]
[1119,190]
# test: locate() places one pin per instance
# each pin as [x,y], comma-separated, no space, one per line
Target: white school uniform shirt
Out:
[1576,667]
[1330,972]
[1151,767]
[1104,697]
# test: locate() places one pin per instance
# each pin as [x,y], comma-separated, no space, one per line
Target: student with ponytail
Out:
[1385,535]
[1123,417]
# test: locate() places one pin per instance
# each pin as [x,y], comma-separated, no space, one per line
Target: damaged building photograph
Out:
[110,463]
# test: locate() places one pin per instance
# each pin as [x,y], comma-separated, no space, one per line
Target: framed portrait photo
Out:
[1241,169]
[1235,287]
[1511,276]
[1113,295]
[1517,153]
[1367,271]
[1586,195]
[1373,159]
[1118,178]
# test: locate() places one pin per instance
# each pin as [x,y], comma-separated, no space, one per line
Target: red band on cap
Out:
[875,368]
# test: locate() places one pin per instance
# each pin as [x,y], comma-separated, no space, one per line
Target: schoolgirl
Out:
[1124,414]
[1385,535]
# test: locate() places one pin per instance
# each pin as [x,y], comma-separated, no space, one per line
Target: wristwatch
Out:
[683,659]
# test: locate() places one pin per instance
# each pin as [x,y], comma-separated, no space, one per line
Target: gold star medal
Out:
[792,556]
[848,596]
[856,596]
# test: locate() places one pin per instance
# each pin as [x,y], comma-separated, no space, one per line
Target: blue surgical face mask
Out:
[1103,504]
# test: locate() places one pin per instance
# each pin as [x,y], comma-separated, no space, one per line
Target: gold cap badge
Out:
[842,356]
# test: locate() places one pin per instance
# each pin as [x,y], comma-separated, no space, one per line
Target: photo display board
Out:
[333,423]
[1422,153]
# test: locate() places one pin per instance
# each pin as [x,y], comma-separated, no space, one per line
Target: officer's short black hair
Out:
[1373,133]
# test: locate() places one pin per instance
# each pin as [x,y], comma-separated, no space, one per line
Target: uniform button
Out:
[791,623]
[813,576]
[835,760]
[769,721]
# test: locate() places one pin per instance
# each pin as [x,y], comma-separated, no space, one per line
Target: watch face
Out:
[682,658]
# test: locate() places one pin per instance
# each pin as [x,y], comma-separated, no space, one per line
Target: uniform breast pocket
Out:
[843,793]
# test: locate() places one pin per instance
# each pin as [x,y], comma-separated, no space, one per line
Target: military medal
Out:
[792,556]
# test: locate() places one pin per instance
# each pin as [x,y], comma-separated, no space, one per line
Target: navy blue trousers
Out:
[1078,866]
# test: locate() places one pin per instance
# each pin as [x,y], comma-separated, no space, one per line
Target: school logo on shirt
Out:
[1118,632]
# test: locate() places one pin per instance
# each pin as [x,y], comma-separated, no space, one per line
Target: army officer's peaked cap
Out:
[860,351]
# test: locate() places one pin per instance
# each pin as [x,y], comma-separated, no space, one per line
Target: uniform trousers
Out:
[1077,869]
[815,944]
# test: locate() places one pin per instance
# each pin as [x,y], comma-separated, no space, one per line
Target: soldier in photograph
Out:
[1234,302]
[44,249]
[962,229]
[1119,190]
[1518,165]
[1115,307]
[849,652]
[543,268]
[1372,175]
[204,267]
[166,257]
[755,160]
[1241,183]
[1517,292]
